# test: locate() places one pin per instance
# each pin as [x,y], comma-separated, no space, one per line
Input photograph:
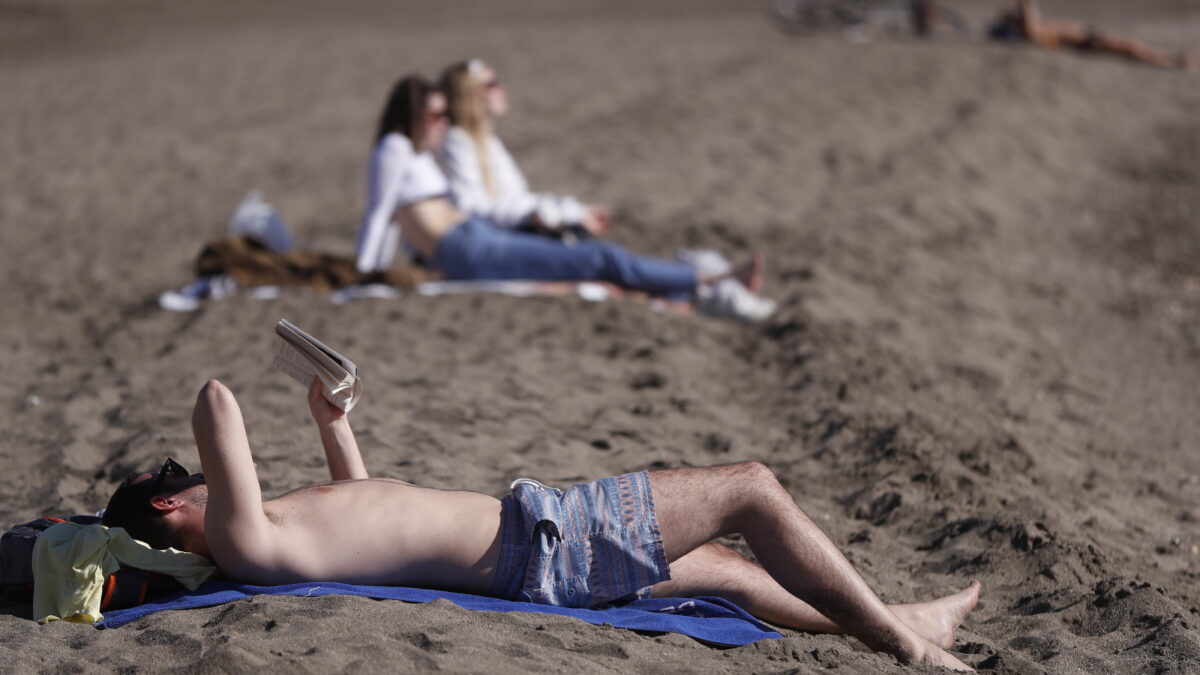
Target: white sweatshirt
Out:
[510,203]
[396,176]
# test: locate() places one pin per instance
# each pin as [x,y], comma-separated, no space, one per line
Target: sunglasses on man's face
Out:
[169,468]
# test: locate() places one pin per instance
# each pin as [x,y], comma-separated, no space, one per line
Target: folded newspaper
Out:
[304,357]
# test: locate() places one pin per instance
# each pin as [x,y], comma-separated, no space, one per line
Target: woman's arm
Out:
[378,239]
[515,203]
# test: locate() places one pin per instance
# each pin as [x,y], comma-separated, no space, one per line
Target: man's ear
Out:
[165,504]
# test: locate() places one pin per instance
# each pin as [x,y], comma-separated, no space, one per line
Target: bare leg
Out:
[1133,49]
[695,506]
[714,569]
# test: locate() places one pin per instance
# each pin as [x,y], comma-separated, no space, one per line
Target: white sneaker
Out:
[189,297]
[729,298]
[706,262]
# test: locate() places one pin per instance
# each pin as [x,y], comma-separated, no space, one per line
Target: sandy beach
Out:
[984,365]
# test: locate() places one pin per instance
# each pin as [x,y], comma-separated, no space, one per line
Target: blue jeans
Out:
[477,250]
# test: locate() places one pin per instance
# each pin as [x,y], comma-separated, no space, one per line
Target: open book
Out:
[304,357]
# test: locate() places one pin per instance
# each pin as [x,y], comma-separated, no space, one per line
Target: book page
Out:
[332,362]
[302,361]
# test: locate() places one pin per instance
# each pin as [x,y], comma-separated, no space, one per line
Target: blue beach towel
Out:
[712,620]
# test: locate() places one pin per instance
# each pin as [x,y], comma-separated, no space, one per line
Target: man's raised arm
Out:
[341,449]
[234,521]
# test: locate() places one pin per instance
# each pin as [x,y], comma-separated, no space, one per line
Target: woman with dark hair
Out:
[407,200]
[484,178]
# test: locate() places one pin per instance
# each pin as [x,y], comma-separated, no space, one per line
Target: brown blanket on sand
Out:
[250,263]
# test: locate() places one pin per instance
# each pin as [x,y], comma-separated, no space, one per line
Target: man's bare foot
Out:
[750,273]
[914,649]
[936,656]
[937,620]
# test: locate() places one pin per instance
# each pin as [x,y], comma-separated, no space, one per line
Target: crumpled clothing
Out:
[71,562]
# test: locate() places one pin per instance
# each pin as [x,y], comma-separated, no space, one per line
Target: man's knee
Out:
[736,493]
[756,474]
[749,488]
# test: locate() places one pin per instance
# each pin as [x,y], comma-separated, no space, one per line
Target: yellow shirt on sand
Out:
[71,562]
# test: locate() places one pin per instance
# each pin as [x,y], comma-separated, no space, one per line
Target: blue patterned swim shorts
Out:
[593,544]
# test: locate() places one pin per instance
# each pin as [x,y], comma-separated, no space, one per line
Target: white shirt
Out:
[396,176]
[510,202]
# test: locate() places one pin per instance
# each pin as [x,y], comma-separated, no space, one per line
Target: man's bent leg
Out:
[694,506]
[717,570]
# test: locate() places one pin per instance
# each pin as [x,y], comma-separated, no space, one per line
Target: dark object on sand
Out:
[812,17]
[250,263]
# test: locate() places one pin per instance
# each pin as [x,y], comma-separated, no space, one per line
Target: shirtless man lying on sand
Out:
[636,535]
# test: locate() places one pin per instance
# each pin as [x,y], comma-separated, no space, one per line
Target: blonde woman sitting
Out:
[484,179]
